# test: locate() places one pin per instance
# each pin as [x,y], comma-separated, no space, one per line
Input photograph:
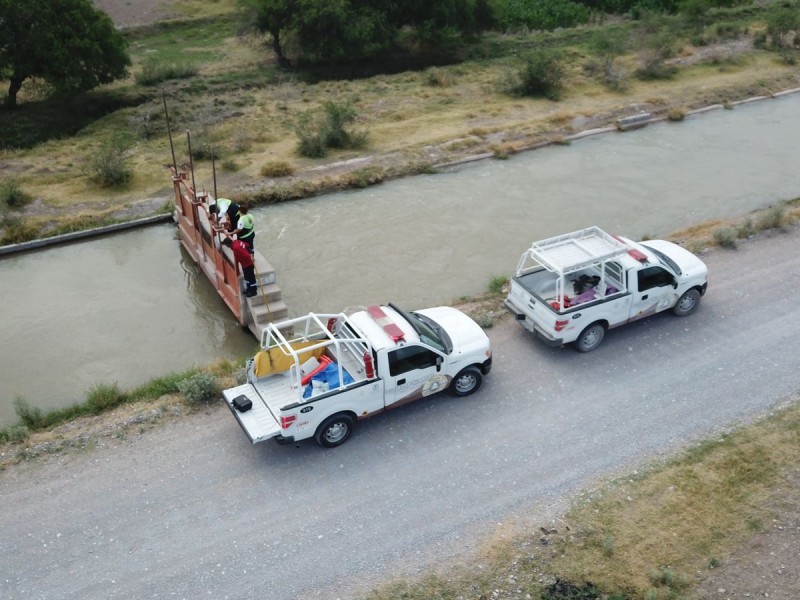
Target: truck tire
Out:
[687,303]
[335,430]
[466,382]
[590,338]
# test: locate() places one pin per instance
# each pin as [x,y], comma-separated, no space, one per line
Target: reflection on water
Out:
[133,306]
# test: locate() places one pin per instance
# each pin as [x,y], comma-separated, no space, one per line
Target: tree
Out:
[347,30]
[68,43]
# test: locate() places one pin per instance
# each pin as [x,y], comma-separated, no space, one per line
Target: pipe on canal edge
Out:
[87,233]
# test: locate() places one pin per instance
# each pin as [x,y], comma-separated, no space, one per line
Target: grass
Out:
[231,96]
[647,535]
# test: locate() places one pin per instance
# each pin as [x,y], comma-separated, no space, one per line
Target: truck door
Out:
[655,292]
[414,372]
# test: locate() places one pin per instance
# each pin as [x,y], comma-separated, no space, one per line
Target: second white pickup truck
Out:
[317,375]
[574,287]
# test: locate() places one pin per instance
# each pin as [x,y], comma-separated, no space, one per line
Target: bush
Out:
[12,196]
[435,77]
[200,388]
[277,168]
[317,133]
[154,72]
[311,136]
[17,231]
[230,166]
[541,75]
[541,14]
[783,27]
[104,397]
[107,167]
[497,284]
[30,416]
[14,433]
[774,218]
[725,237]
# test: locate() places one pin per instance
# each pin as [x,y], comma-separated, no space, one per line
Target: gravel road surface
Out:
[192,510]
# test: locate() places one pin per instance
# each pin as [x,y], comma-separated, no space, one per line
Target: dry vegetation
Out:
[238,102]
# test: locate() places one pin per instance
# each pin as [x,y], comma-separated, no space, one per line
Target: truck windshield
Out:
[666,260]
[428,330]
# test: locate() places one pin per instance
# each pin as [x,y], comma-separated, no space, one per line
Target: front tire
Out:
[335,430]
[590,338]
[466,382]
[687,303]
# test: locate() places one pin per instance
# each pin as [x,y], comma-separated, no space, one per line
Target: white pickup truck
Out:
[576,286]
[317,375]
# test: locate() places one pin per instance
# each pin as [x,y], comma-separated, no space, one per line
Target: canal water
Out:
[133,306]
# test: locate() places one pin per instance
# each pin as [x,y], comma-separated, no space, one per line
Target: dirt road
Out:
[190,509]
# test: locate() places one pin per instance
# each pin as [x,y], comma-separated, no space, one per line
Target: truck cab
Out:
[317,375]
[574,287]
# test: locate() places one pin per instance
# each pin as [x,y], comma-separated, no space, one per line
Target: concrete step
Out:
[261,315]
[272,292]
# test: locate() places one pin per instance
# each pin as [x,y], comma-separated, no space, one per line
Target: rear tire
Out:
[466,382]
[687,303]
[335,430]
[590,338]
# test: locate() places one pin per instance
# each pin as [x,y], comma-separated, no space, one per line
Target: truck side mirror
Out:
[438,363]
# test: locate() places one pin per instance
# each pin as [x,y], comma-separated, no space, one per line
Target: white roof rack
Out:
[574,251]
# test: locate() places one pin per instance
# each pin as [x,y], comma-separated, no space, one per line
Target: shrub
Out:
[745,229]
[317,133]
[541,75]
[435,77]
[154,71]
[311,136]
[14,433]
[107,166]
[200,388]
[541,14]
[229,165]
[339,116]
[774,218]
[30,416]
[725,237]
[783,26]
[12,196]
[277,168]
[17,231]
[105,396]
[497,284]
[676,114]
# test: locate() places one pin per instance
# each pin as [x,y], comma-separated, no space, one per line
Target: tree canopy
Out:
[348,30]
[68,43]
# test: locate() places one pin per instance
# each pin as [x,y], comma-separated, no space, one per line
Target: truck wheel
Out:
[687,303]
[467,381]
[590,338]
[334,430]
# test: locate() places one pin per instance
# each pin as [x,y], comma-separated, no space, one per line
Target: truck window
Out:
[651,277]
[409,358]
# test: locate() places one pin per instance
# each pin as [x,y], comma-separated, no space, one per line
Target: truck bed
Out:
[268,395]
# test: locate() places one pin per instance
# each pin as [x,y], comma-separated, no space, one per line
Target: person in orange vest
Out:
[241,252]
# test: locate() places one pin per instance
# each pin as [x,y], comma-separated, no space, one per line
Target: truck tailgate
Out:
[258,423]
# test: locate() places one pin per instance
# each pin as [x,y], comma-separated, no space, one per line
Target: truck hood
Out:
[466,335]
[691,266]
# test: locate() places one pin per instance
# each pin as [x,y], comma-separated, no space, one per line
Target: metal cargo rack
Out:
[572,252]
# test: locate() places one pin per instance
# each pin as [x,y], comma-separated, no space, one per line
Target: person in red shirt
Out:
[241,252]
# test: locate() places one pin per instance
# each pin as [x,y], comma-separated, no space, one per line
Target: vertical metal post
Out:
[191,164]
[169,133]
[214,172]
